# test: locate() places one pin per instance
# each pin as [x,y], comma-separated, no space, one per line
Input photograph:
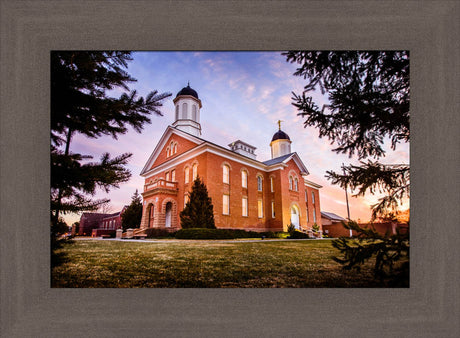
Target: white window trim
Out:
[260,209]
[226,174]
[244,207]
[227,211]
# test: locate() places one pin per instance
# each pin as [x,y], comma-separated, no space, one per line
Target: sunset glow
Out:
[244,94]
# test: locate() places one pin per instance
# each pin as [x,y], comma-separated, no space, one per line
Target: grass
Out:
[207,264]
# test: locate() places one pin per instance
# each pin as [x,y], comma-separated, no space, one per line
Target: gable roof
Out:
[285,159]
[332,216]
[282,160]
[168,132]
[277,159]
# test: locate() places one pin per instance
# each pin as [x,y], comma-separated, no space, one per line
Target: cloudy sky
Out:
[243,94]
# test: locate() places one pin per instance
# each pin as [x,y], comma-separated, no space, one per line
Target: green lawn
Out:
[193,263]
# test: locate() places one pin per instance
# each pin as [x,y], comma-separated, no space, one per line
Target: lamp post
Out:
[346,198]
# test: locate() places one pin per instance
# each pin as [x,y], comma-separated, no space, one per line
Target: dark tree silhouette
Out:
[80,103]
[198,212]
[368,94]
[132,215]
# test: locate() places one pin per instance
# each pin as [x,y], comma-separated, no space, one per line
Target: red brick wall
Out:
[210,169]
[183,145]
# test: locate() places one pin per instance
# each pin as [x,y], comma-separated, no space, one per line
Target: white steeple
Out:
[187,111]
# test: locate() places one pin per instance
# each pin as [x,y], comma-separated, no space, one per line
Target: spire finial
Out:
[188,83]
[279,124]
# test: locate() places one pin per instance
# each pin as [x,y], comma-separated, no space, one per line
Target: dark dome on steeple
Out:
[280,135]
[188,91]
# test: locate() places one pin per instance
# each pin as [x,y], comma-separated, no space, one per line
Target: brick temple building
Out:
[246,193]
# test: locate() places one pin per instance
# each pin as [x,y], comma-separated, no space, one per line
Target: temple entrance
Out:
[168,215]
[295,217]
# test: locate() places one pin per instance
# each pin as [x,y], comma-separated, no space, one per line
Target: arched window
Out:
[259,183]
[175,148]
[167,152]
[173,175]
[290,182]
[184,111]
[187,174]
[194,112]
[177,112]
[244,179]
[226,174]
[296,184]
[194,171]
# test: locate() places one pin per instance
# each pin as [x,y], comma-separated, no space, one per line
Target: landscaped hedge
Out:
[298,235]
[204,233]
[158,233]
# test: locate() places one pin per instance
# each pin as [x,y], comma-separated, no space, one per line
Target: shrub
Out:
[203,233]
[315,227]
[158,233]
[291,228]
[298,235]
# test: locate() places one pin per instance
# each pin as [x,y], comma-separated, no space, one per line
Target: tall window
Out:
[244,179]
[226,205]
[186,199]
[244,206]
[167,176]
[273,209]
[259,183]
[306,196]
[312,197]
[260,210]
[194,113]
[167,152]
[184,111]
[175,147]
[296,184]
[314,215]
[194,171]
[173,175]
[187,174]
[272,189]
[177,113]
[290,182]
[226,172]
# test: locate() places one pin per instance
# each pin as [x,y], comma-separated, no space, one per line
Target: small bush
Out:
[298,235]
[158,233]
[291,228]
[204,233]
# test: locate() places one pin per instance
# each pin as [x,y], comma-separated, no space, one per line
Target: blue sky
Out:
[243,95]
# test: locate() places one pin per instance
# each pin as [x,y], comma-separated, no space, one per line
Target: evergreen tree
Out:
[80,103]
[369,101]
[198,212]
[132,216]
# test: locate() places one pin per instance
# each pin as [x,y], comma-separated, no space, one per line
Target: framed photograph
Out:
[191,30]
